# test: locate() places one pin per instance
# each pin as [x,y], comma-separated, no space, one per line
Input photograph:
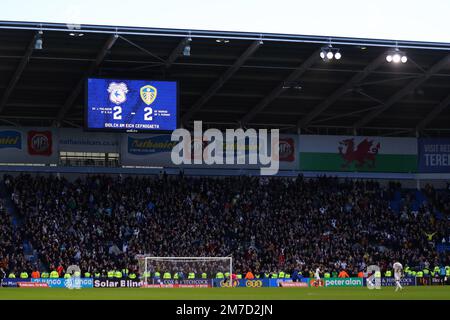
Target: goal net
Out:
[154,270]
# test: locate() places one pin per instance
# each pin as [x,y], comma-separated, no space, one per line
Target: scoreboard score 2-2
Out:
[131,105]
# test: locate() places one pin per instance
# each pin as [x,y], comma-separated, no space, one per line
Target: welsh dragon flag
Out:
[357,153]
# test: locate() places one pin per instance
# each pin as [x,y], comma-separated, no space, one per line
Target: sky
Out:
[415,20]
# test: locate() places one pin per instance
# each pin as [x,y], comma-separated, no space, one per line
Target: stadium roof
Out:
[251,80]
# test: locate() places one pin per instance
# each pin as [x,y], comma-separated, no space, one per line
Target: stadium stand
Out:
[11,250]
[268,225]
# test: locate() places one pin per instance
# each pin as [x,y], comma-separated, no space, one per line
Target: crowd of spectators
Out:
[11,248]
[101,223]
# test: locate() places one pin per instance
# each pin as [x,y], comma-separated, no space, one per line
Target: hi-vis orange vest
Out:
[343,274]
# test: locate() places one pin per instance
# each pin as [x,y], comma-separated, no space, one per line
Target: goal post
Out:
[154,269]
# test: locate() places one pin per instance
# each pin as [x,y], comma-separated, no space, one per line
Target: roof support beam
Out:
[221,81]
[342,115]
[73,124]
[176,52]
[142,49]
[433,114]
[20,117]
[404,91]
[297,73]
[10,122]
[166,64]
[357,78]
[94,65]
[18,73]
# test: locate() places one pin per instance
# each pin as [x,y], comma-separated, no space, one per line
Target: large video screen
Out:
[131,105]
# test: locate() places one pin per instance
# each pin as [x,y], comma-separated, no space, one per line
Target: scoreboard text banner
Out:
[131,105]
[63,283]
[154,150]
[11,282]
[77,140]
[248,283]
[389,281]
[434,155]
[116,283]
[343,282]
[28,145]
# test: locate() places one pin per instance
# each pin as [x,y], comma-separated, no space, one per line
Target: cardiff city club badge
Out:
[148,94]
[117,92]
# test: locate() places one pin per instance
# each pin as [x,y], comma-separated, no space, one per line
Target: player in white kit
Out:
[317,277]
[398,272]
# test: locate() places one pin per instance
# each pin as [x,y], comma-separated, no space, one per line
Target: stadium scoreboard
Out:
[131,105]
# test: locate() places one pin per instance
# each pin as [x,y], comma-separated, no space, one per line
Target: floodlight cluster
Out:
[396,56]
[330,53]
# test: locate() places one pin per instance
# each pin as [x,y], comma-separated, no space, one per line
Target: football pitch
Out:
[349,293]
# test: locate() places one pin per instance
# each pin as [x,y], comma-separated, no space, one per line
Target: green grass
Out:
[387,293]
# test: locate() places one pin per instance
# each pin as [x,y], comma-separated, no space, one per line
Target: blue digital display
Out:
[131,105]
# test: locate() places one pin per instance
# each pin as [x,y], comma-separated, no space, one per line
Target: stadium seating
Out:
[11,249]
[267,224]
